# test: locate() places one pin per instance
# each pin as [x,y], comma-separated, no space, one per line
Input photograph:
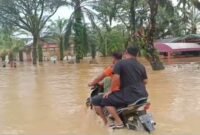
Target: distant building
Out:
[49,47]
[169,49]
[187,45]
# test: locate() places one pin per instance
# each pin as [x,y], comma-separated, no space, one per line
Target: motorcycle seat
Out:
[136,104]
[140,101]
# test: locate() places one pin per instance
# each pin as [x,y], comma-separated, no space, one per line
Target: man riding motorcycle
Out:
[132,77]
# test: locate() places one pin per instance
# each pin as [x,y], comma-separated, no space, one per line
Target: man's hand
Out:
[107,94]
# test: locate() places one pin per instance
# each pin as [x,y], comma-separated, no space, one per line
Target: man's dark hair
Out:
[132,51]
[117,55]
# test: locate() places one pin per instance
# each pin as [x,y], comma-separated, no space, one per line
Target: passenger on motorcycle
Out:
[132,77]
[105,77]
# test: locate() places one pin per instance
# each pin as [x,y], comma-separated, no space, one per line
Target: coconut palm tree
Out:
[56,30]
[189,14]
[184,7]
[193,20]
[77,26]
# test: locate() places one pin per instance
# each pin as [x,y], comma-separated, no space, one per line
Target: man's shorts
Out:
[114,99]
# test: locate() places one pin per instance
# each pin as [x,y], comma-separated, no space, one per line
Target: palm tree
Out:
[107,13]
[77,26]
[189,15]
[56,30]
[93,43]
[184,6]
[193,20]
[10,46]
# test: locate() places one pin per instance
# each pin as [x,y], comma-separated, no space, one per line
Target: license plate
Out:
[146,117]
[148,122]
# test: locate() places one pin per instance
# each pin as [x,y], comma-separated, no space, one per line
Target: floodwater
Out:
[50,99]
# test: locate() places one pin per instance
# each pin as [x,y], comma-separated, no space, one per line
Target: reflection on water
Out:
[50,99]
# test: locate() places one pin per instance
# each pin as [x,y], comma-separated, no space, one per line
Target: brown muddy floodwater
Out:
[50,99]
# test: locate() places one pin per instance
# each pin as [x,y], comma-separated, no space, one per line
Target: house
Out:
[189,44]
[49,48]
[168,49]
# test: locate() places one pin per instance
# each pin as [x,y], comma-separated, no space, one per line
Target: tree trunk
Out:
[154,58]
[11,59]
[78,29]
[184,15]
[106,47]
[34,51]
[61,49]
[3,57]
[194,29]
[132,20]
[40,53]
[108,33]
[93,51]
[21,58]
[78,58]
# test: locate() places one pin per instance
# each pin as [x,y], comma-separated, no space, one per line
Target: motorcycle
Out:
[134,116]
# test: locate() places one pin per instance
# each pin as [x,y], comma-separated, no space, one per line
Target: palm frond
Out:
[91,15]
[168,5]
[196,4]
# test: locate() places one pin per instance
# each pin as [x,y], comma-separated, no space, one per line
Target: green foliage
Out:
[107,11]
[196,3]
[77,27]
[9,44]
[115,40]
[29,15]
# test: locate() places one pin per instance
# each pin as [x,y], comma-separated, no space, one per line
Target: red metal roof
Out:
[177,47]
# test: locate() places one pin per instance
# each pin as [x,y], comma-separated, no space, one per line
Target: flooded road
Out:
[50,100]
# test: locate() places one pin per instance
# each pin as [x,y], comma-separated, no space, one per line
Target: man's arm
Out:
[97,79]
[115,82]
[107,72]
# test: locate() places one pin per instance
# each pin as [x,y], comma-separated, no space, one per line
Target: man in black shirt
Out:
[132,78]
